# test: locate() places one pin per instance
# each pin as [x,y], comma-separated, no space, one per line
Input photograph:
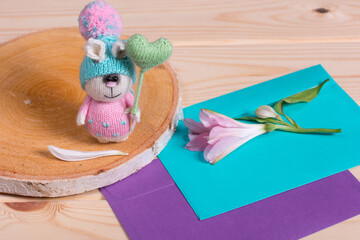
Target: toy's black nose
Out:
[111,78]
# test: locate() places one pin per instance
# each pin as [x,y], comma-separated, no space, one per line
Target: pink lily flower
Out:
[218,135]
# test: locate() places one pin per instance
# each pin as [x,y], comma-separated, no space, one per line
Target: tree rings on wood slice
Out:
[39,99]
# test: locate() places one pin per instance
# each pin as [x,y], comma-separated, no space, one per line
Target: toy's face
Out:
[108,88]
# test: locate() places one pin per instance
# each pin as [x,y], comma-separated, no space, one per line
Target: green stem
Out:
[135,107]
[306,130]
[284,123]
[269,120]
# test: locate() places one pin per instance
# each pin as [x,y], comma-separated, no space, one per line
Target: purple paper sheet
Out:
[150,206]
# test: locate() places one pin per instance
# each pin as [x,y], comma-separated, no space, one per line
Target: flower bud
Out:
[266,111]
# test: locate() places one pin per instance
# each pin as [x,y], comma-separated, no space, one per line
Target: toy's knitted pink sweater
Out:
[107,120]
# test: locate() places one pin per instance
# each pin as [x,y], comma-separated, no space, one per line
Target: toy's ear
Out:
[95,49]
[118,49]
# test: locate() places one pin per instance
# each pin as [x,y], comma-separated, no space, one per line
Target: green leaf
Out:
[305,96]
[279,109]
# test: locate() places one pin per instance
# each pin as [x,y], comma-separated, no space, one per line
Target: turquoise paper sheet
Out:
[274,162]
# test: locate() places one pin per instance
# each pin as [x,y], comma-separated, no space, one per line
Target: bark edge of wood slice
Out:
[39,99]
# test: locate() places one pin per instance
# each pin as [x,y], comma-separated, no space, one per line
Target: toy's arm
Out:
[80,120]
[129,99]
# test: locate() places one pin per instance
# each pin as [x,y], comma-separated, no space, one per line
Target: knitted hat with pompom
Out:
[99,20]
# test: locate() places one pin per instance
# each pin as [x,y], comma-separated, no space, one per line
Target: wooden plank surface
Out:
[220,46]
[201,22]
[83,219]
[209,71]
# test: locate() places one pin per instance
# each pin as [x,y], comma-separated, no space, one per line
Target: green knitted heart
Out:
[147,55]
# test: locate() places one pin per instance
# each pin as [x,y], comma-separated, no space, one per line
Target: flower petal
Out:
[193,126]
[211,119]
[215,152]
[198,142]
[220,132]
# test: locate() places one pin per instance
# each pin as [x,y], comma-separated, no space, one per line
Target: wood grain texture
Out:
[200,22]
[253,64]
[211,71]
[43,69]
[59,220]
[220,46]
[93,195]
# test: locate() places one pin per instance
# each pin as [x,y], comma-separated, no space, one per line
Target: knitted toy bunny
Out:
[106,74]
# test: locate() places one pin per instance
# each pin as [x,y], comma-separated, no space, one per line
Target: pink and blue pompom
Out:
[99,19]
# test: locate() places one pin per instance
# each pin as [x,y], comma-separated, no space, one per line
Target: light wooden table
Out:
[219,47]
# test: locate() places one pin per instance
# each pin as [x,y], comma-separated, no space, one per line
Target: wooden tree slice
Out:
[40,95]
